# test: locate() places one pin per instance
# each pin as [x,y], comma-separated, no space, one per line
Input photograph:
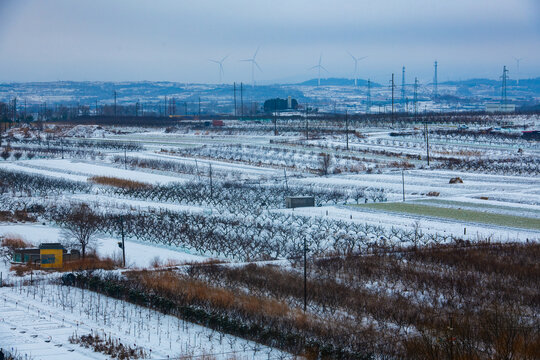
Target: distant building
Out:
[278,104]
[531,135]
[292,202]
[497,107]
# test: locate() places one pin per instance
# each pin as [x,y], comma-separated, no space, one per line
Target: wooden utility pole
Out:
[242,101]
[305,273]
[347,129]
[199,109]
[427,142]
[211,185]
[307,129]
[123,242]
[393,86]
[275,117]
[403,183]
[234,89]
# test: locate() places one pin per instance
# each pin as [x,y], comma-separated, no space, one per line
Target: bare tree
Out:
[81,225]
[326,160]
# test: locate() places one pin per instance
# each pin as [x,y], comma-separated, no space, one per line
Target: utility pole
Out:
[275,117]
[14,109]
[199,109]
[305,273]
[403,86]
[503,90]
[125,157]
[211,184]
[96,107]
[403,183]
[368,110]
[286,183]
[123,245]
[347,129]
[307,129]
[165,107]
[393,87]
[415,98]
[234,90]
[427,142]
[435,81]
[115,113]
[242,101]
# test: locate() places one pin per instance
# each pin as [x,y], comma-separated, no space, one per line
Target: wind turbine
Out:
[356,60]
[253,64]
[319,67]
[220,63]
[517,63]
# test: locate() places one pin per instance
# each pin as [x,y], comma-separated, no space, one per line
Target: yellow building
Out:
[51,255]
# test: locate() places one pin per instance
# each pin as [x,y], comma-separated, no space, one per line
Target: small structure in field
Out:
[292,202]
[456,180]
[52,255]
[48,255]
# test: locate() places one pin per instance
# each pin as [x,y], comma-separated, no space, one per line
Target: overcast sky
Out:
[121,40]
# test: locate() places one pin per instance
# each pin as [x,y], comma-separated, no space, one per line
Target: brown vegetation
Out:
[14,242]
[121,183]
[109,346]
[16,216]
[457,301]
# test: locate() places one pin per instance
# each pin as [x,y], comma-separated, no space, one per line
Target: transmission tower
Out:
[115,112]
[503,90]
[393,88]
[415,97]
[435,81]
[403,85]
[368,110]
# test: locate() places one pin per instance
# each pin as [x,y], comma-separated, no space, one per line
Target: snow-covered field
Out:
[30,316]
[37,321]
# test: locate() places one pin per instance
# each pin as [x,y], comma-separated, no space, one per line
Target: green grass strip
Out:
[457,214]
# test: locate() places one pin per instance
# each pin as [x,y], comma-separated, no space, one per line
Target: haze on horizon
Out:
[134,40]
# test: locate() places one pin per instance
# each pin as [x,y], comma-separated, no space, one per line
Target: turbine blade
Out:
[322,67]
[258,67]
[222,60]
[256,52]
[362,58]
[352,56]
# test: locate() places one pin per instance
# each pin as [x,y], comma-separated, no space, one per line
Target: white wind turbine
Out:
[220,63]
[319,67]
[253,64]
[356,60]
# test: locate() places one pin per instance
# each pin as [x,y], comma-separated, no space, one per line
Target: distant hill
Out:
[337,82]
[472,82]
[529,83]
